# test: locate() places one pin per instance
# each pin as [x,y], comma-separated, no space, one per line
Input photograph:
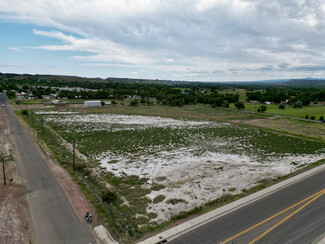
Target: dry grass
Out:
[306,129]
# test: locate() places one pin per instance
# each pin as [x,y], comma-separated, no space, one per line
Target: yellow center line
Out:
[262,222]
[286,218]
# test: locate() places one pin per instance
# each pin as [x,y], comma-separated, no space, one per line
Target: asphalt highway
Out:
[295,214]
[53,218]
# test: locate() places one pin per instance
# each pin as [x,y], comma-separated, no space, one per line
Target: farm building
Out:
[92,104]
[58,103]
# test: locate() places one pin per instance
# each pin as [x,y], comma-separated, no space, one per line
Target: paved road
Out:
[53,218]
[303,227]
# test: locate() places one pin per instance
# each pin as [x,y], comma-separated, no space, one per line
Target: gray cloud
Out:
[236,36]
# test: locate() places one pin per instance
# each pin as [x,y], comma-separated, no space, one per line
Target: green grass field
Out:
[241,92]
[311,110]
[198,112]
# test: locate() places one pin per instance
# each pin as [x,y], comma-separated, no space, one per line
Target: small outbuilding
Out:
[58,103]
[92,104]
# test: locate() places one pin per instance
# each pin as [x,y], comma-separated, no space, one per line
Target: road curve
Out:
[53,218]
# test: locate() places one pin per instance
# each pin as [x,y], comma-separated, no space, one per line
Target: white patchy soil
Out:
[198,179]
[192,174]
[115,122]
[56,112]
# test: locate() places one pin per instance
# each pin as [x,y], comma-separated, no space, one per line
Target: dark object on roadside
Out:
[88,217]
[323,121]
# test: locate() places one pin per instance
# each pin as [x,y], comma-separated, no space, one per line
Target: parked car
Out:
[3,105]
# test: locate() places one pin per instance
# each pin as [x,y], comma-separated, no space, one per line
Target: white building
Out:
[92,104]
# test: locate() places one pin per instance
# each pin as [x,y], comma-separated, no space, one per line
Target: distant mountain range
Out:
[304,82]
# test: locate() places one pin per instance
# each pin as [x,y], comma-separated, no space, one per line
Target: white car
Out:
[3,105]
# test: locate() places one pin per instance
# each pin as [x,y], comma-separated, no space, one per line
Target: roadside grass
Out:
[32,101]
[311,110]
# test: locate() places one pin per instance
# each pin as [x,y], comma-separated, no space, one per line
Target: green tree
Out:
[321,118]
[11,94]
[225,104]
[239,105]
[262,109]
[134,103]
[143,101]
[282,105]
[297,104]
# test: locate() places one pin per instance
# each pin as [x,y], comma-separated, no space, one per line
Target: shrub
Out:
[108,196]
[159,198]
[225,104]
[312,117]
[152,215]
[79,166]
[282,105]
[321,118]
[134,103]
[143,101]
[297,104]
[24,112]
[174,201]
[263,108]
[157,187]
[306,116]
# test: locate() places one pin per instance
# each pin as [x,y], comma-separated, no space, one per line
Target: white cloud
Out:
[231,36]
[15,49]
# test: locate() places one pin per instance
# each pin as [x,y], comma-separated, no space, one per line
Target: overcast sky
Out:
[203,40]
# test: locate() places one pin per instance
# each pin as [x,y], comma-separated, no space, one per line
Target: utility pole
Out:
[42,125]
[27,110]
[74,157]
[3,168]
